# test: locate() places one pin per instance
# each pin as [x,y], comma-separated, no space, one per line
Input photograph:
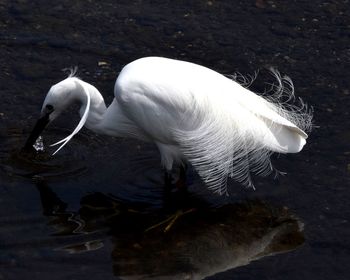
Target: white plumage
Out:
[192,114]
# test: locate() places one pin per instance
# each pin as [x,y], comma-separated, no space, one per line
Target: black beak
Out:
[38,129]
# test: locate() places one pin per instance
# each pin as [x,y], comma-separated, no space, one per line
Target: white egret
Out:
[192,113]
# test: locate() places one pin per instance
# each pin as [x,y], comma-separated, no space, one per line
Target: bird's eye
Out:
[49,107]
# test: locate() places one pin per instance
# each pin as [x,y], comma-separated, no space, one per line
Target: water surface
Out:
[89,211]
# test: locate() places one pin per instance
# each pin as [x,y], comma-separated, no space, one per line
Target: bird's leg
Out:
[172,200]
[168,187]
[181,182]
[167,178]
[167,181]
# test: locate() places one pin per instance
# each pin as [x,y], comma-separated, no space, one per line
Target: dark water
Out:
[88,212]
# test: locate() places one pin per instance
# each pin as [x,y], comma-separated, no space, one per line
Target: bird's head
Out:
[59,97]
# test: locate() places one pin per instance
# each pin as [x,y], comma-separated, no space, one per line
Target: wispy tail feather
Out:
[240,131]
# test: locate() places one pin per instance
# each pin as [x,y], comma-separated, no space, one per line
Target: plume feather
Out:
[238,135]
[81,122]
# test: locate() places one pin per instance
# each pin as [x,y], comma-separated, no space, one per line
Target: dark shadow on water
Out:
[147,234]
[200,243]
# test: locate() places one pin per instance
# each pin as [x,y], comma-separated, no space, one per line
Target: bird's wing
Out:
[236,136]
[223,129]
[270,111]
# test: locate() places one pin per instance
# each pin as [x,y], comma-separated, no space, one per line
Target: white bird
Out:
[193,114]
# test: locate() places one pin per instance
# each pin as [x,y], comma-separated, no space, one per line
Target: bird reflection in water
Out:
[200,243]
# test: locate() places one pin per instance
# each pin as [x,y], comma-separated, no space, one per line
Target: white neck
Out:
[111,121]
[97,105]
[95,115]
